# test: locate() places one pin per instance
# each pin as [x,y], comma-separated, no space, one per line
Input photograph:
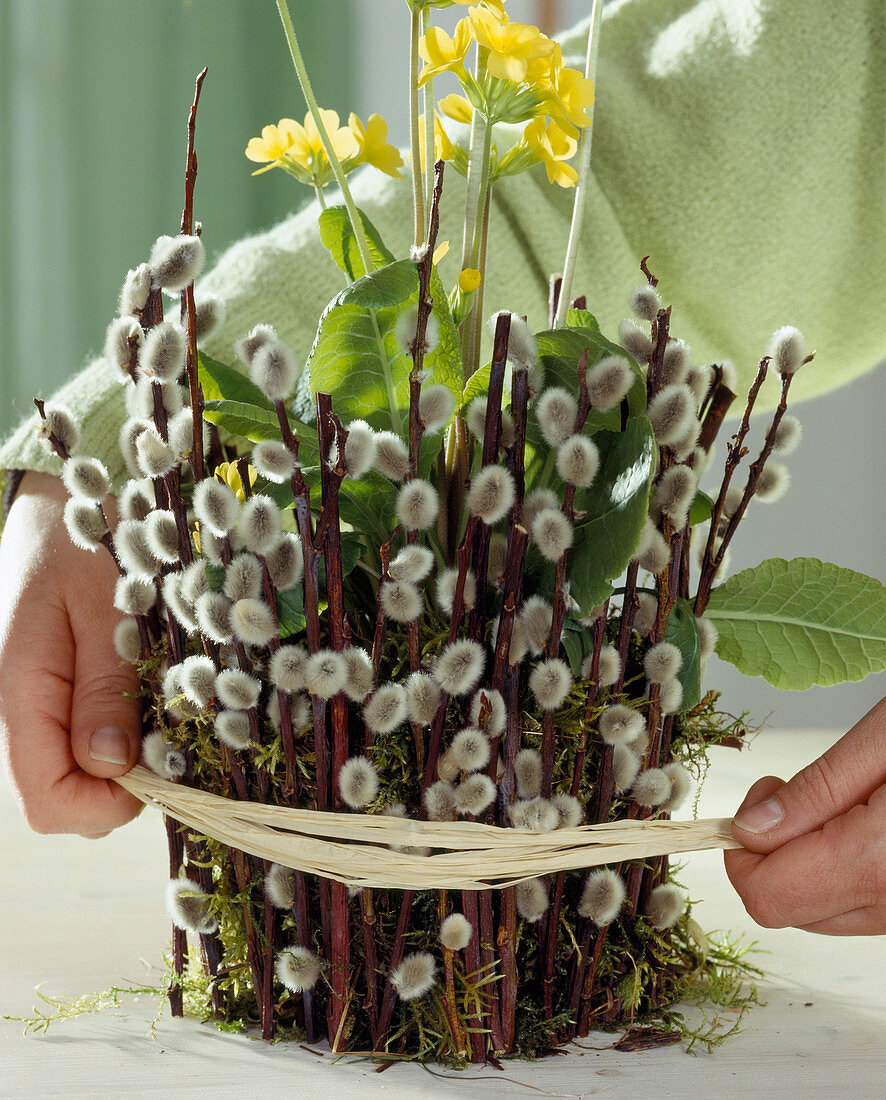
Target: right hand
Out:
[66,724]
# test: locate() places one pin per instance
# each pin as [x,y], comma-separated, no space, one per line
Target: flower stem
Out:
[428,102]
[418,195]
[581,188]
[337,170]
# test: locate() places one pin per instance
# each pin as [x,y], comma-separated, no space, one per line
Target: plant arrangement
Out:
[433,588]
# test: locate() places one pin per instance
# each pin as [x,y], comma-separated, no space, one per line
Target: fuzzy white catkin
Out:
[459,666]
[155,458]
[665,905]
[671,412]
[609,382]
[568,810]
[681,785]
[707,636]
[285,562]
[773,483]
[436,404]
[161,758]
[243,578]
[385,709]
[556,411]
[652,553]
[497,559]
[491,702]
[126,442]
[176,261]
[198,680]
[252,621]
[248,345]
[675,493]
[236,689]
[675,364]
[417,505]
[644,619]
[787,349]
[645,302]
[662,662]
[528,773]
[193,581]
[274,369]
[358,782]
[670,696]
[532,899]
[474,794]
[188,907]
[134,595]
[620,724]
[180,433]
[625,767]
[86,478]
[162,535]
[550,682]
[273,460]
[422,698]
[788,435]
[286,668]
[578,460]
[635,340]
[608,666]
[651,788]
[522,348]
[299,711]
[552,533]
[298,968]
[445,586]
[117,336]
[413,563]
[602,897]
[176,603]
[456,932]
[214,616]
[137,500]
[400,601]
[536,616]
[127,640]
[391,456]
[360,677]
[359,448]
[492,494]
[86,525]
[698,379]
[59,421]
[209,313]
[325,672]
[470,749]
[538,500]
[439,801]
[163,353]
[415,976]
[133,549]
[280,886]
[135,290]
[232,729]
[406,330]
[259,524]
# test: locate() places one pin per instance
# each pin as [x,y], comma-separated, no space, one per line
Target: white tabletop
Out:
[79,916]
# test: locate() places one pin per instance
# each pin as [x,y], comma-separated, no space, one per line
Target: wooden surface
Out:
[78,916]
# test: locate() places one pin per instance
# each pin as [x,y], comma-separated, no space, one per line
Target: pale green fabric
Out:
[738,143]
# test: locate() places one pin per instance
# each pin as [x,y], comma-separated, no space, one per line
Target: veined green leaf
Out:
[581,318]
[801,622]
[221,382]
[701,509]
[615,508]
[560,350]
[682,631]
[290,612]
[337,235]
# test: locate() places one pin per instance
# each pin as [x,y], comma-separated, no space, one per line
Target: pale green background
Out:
[94,99]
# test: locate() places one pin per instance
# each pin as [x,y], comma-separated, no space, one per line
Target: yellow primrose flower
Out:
[568,99]
[228,474]
[444,54]
[457,108]
[308,148]
[373,145]
[439,252]
[552,147]
[469,280]
[497,7]
[512,45]
[273,145]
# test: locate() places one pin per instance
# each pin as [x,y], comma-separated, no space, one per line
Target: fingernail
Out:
[762,818]
[110,745]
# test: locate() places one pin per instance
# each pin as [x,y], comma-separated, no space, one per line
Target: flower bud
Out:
[298,968]
[675,493]
[391,456]
[676,363]
[360,675]
[232,729]
[246,347]
[189,907]
[602,897]
[422,698]
[620,725]
[214,616]
[556,411]
[528,773]
[609,382]
[386,708]
[417,505]
[662,662]
[492,494]
[280,886]
[550,682]
[162,535]
[208,315]
[635,340]
[414,977]
[325,672]
[134,595]
[474,794]
[236,689]
[456,932]
[259,524]
[252,621]
[127,641]
[651,788]
[488,712]
[133,549]
[198,680]
[285,562]
[155,458]
[243,578]
[625,767]
[787,350]
[536,616]
[645,302]
[135,291]
[470,750]
[671,412]
[532,899]
[445,587]
[552,533]
[176,261]
[788,435]
[286,668]
[665,905]
[117,337]
[163,354]
[360,448]
[357,782]
[86,478]
[681,785]
[413,564]
[400,601]
[274,369]
[436,405]
[60,422]
[273,460]
[459,666]
[439,801]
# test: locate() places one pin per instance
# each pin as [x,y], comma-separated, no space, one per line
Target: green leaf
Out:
[358,359]
[368,505]
[478,385]
[221,382]
[581,318]
[801,622]
[682,631]
[337,236]
[559,351]
[572,643]
[701,509]
[290,612]
[615,507]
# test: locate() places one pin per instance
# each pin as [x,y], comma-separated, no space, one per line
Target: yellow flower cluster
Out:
[520,77]
[298,150]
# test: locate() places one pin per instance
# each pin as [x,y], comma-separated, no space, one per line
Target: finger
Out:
[845,776]
[858,922]
[816,877]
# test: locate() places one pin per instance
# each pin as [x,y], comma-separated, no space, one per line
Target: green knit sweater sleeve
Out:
[737,143]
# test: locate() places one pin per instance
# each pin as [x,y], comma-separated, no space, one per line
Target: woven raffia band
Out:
[356,848]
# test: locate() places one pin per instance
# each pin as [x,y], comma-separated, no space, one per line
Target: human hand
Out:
[815,853]
[65,724]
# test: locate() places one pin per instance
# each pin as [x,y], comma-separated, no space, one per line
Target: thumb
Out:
[845,776]
[105,710]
